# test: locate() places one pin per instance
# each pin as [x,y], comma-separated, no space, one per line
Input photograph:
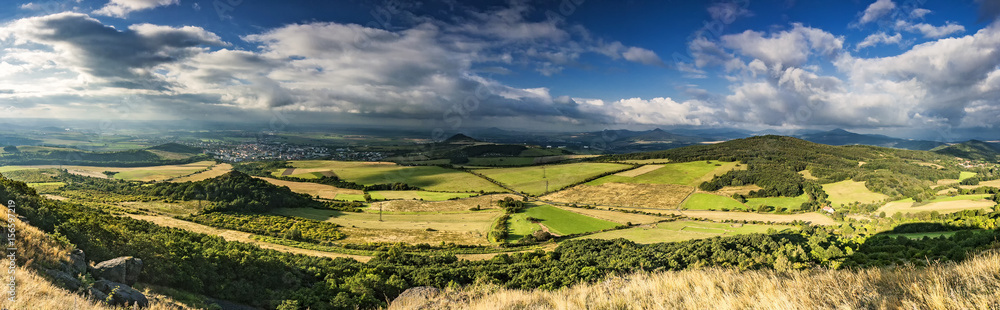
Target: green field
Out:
[790,203]
[847,191]
[689,173]
[532,180]
[368,173]
[350,197]
[965,175]
[702,201]
[467,221]
[559,221]
[683,230]
[422,195]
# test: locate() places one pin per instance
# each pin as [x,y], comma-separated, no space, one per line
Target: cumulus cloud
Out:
[121,8]
[930,31]
[919,12]
[643,56]
[785,48]
[879,38]
[876,10]
[728,12]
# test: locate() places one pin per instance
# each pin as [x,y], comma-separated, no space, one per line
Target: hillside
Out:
[176,148]
[972,149]
[967,285]
[844,137]
[774,162]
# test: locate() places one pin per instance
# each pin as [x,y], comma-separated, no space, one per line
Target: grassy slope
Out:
[791,203]
[689,173]
[426,177]
[562,222]
[847,191]
[969,285]
[532,179]
[683,230]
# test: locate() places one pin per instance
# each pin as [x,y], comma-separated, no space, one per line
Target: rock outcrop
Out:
[124,269]
[118,294]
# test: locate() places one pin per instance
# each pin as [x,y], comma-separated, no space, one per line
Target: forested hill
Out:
[773,163]
[233,191]
[972,149]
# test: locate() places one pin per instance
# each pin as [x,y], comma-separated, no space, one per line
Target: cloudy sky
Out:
[887,65]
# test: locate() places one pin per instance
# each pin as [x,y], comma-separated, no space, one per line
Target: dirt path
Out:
[546,229]
[288,172]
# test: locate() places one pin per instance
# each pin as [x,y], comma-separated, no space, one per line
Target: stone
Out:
[64,279]
[120,294]
[77,263]
[415,296]
[124,269]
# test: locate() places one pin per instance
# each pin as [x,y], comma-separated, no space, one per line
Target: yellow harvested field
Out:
[656,196]
[812,217]
[484,202]
[728,191]
[639,171]
[646,161]
[615,216]
[238,236]
[412,236]
[993,183]
[217,170]
[465,222]
[808,175]
[153,173]
[848,191]
[313,189]
[941,207]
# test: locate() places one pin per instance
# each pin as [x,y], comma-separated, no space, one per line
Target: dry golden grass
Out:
[412,236]
[808,175]
[656,196]
[34,292]
[811,217]
[313,189]
[968,285]
[484,202]
[217,170]
[941,206]
[639,171]
[728,191]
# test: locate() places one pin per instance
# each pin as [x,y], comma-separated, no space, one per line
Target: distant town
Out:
[283,151]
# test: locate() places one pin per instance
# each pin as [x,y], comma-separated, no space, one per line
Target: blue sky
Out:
[871,66]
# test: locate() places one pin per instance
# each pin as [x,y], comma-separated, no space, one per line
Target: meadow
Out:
[702,201]
[689,173]
[941,204]
[656,196]
[482,202]
[471,227]
[617,216]
[216,170]
[558,221]
[535,180]
[848,191]
[417,195]
[148,174]
[368,173]
[315,189]
[683,230]
[789,203]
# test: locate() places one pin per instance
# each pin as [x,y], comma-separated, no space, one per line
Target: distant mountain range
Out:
[972,149]
[844,137]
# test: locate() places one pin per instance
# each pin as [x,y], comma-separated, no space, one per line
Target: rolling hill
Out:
[972,149]
[844,137]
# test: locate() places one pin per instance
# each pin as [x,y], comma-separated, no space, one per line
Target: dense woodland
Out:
[130,158]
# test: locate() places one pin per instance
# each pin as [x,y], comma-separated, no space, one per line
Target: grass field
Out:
[559,221]
[615,216]
[426,177]
[689,173]
[993,183]
[217,170]
[532,180]
[965,175]
[484,202]
[154,173]
[646,161]
[315,189]
[847,191]
[941,204]
[683,230]
[701,201]
[415,195]
[808,175]
[790,203]
[657,196]
[468,222]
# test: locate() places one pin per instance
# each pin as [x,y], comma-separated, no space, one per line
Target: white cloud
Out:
[876,10]
[786,48]
[930,31]
[121,8]
[643,56]
[919,12]
[879,38]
